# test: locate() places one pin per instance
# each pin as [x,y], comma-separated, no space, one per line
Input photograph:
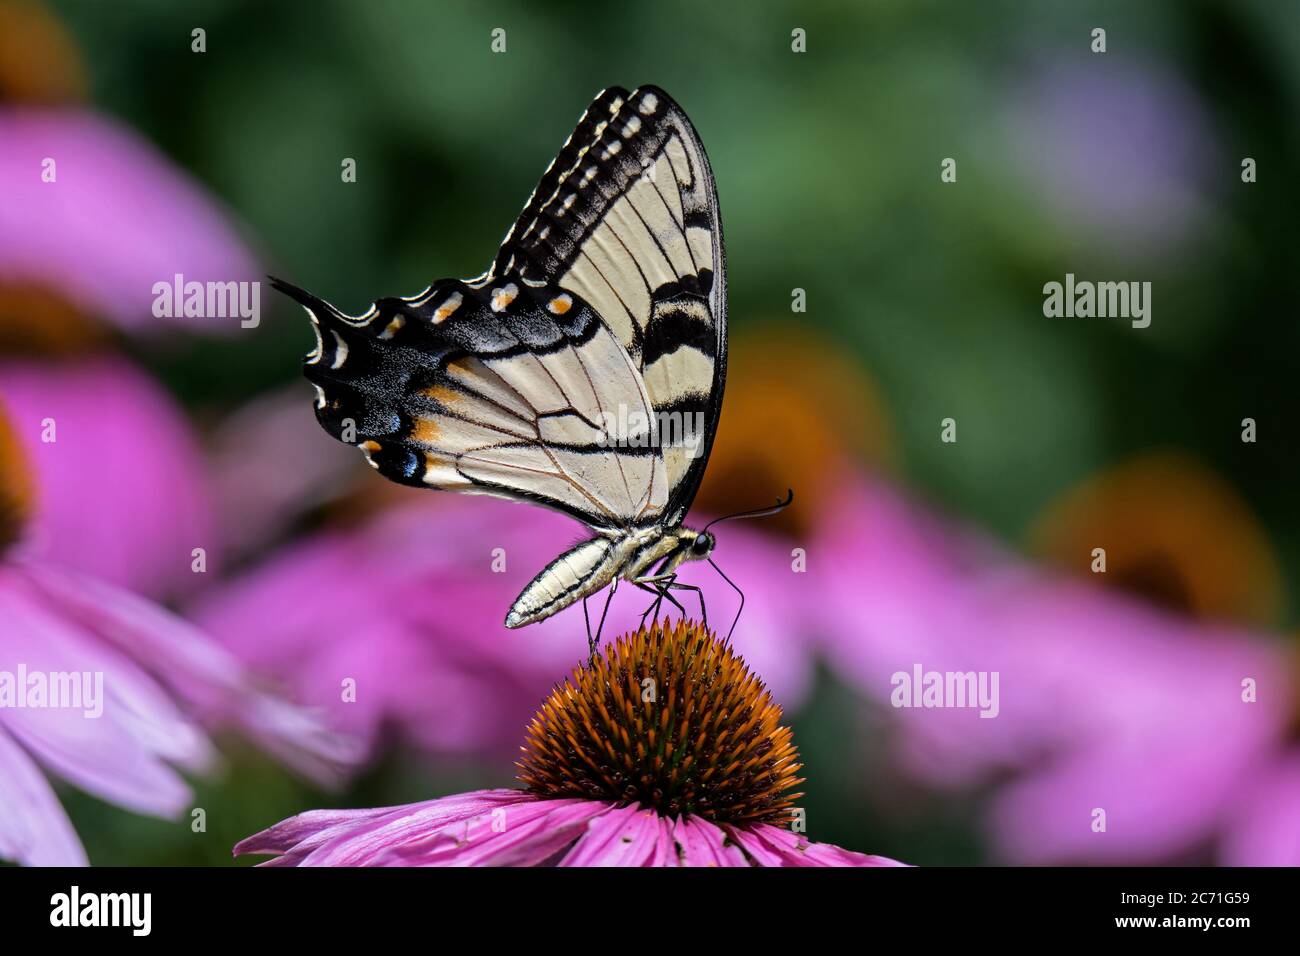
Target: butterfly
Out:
[583,371]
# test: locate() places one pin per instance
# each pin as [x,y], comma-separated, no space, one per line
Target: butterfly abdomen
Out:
[579,572]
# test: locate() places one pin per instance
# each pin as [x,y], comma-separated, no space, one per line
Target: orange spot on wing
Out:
[442,394]
[425,431]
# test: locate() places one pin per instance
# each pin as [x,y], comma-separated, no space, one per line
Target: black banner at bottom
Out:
[237,905]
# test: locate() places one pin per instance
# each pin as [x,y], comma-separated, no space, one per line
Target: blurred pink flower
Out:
[98,686]
[109,219]
[898,591]
[409,608]
[1104,702]
[1262,827]
[1151,725]
[271,492]
[123,491]
[516,828]
[162,682]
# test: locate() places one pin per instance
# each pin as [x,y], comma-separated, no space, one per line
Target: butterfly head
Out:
[701,545]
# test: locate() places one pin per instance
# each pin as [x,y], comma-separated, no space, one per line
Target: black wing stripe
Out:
[590,126]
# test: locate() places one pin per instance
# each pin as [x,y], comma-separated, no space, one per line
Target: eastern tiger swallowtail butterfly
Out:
[583,371]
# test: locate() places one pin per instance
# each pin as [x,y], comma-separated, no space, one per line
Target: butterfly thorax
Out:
[663,550]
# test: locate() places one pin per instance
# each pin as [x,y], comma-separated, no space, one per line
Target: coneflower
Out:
[662,751]
[106,690]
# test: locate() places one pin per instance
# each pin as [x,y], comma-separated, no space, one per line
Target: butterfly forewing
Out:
[626,218]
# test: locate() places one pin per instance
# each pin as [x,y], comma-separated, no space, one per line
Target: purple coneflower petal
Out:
[625,836]
[1263,828]
[528,832]
[136,516]
[294,840]
[1106,703]
[701,843]
[772,846]
[123,755]
[368,839]
[118,218]
[212,682]
[268,496]
[515,828]
[34,830]
[481,828]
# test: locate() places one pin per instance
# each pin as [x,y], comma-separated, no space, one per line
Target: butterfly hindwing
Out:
[626,217]
[503,389]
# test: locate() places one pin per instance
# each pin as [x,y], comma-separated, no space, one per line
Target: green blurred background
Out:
[827,165]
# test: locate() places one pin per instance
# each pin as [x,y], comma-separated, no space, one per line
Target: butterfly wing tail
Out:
[360,380]
[316,307]
[323,317]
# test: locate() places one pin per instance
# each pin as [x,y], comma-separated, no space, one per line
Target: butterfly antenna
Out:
[738,591]
[780,506]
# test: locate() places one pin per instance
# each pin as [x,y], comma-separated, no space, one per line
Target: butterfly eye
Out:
[702,545]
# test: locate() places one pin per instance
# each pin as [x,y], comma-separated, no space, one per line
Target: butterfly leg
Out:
[668,583]
[660,588]
[654,606]
[704,614]
[672,600]
[594,641]
[660,591]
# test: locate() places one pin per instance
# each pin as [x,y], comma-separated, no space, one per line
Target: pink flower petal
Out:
[296,838]
[124,754]
[701,843]
[118,218]
[212,682]
[528,834]
[481,828]
[122,491]
[1263,827]
[626,836]
[773,846]
[34,830]
[515,828]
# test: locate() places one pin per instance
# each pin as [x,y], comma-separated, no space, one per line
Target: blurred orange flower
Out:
[15,484]
[795,413]
[39,62]
[1173,531]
